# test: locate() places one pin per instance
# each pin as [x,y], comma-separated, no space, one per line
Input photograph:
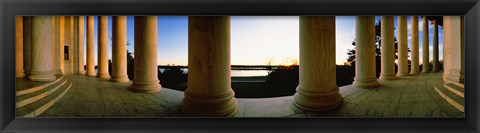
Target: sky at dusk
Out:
[253,39]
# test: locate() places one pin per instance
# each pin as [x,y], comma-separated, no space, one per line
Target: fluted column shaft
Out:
[365,52]
[76,53]
[387,49]
[81,42]
[19,46]
[146,67]
[209,91]
[426,60]
[27,45]
[42,69]
[90,46]
[103,47]
[317,61]
[119,49]
[68,41]
[435,61]
[402,47]
[414,46]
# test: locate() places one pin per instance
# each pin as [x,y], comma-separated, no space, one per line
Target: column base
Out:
[425,71]
[20,74]
[103,75]
[123,78]
[146,87]
[366,83]
[42,76]
[212,106]
[317,101]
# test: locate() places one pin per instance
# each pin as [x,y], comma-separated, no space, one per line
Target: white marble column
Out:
[42,69]
[19,46]
[365,52]
[402,47]
[90,46]
[145,50]
[414,46]
[387,49]
[317,61]
[68,41]
[103,47]
[81,42]
[209,91]
[435,61]
[425,45]
[119,49]
[27,45]
[58,45]
[453,49]
[75,47]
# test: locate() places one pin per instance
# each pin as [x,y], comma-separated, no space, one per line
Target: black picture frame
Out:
[9,9]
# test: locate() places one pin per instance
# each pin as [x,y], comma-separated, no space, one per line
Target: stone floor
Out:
[412,97]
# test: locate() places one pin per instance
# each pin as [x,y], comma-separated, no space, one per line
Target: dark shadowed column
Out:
[27,45]
[317,89]
[209,90]
[414,46]
[426,59]
[435,61]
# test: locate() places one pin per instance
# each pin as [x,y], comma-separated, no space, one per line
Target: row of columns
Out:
[365,49]
[209,90]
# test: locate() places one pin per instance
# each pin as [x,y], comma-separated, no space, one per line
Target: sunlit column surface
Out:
[414,46]
[209,91]
[42,69]
[317,89]
[453,49]
[103,47]
[81,36]
[387,49]
[75,47]
[27,45]
[402,46]
[365,52]
[19,46]
[426,60]
[435,61]
[146,70]
[119,49]
[90,46]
